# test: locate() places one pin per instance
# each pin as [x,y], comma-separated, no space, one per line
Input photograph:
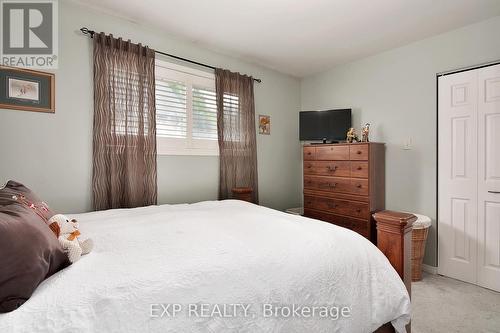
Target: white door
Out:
[488,240]
[457,175]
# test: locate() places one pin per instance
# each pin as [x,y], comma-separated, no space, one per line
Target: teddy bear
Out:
[352,136]
[66,231]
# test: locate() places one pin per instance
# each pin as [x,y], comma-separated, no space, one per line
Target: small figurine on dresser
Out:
[352,136]
[365,132]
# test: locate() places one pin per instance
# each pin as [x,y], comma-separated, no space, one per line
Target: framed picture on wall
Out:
[27,90]
[264,124]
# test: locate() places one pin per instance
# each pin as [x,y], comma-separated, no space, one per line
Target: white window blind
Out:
[204,114]
[126,98]
[171,116]
[232,115]
[186,112]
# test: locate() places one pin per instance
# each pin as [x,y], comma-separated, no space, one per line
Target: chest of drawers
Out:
[344,184]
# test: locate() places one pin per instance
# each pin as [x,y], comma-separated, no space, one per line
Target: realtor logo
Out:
[29,33]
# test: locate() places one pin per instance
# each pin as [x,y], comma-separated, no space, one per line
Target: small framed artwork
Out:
[27,90]
[264,124]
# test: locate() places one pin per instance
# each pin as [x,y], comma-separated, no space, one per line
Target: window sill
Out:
[188,152]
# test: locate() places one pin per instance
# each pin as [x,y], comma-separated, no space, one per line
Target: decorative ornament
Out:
[352,136]
[365,132]
[38,209]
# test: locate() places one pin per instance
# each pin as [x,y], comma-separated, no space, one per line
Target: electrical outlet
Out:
[408,143]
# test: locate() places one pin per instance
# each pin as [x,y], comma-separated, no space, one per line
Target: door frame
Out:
[438,75]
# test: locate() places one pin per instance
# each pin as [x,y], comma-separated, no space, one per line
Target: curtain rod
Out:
[91,33]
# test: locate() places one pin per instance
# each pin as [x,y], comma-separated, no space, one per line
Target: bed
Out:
[216,254]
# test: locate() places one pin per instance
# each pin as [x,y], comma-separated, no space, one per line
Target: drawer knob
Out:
[334,185]
[358,210]
[359,186]
[359,152]
[308,153]
[359,168]
[332,168]
[309,166]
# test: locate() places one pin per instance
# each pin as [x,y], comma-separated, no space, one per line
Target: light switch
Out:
[408,143]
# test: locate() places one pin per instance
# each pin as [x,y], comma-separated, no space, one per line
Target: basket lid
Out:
[422,221]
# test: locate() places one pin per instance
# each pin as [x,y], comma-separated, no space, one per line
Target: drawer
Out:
[359,186]
[331,184]
[338,206]
[324,168]
[355,209]
[331,218]
[332,153]
[320,203]
[359,169]
[360,226]
[309,153]
[336,184]
[358,152]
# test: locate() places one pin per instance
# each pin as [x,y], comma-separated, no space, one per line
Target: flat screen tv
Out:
[328,125]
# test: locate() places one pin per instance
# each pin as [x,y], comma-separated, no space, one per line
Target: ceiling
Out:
[301,37]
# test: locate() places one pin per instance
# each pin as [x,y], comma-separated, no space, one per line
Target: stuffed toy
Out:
[67,232]
[352,136]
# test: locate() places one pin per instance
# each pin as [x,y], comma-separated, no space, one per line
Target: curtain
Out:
[124,138]
[236,133]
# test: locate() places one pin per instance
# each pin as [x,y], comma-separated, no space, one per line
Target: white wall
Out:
[52,153]
[395,91]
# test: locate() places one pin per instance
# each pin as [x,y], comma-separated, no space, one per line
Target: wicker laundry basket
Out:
[419,238]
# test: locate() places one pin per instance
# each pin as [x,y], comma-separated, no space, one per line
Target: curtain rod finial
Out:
[86,31]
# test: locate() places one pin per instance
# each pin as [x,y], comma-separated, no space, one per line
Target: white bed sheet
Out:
[214,252]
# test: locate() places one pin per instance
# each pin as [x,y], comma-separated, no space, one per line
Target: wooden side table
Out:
[243,193]
[394,234]
[394,239]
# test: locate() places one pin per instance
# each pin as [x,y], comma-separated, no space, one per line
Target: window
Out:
[186,112]
[232,116]
[126,97]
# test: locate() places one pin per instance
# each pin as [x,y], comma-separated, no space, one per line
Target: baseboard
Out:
[429,269]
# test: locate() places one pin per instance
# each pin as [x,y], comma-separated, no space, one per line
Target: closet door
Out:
[488,240]
[457,171]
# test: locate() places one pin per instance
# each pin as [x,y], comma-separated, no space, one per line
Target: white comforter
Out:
[215,253]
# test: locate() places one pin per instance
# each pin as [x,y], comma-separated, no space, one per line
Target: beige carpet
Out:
[442,305]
